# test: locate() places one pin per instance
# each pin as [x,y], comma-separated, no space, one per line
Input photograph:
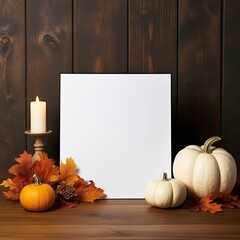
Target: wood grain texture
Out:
[116,219]
[100,36]
[153,44]
[49,53]
[199,85]
[153,33]
[192,40]
[231,84]
[12,81]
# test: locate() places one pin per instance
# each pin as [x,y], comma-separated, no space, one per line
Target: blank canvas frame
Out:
[117,128]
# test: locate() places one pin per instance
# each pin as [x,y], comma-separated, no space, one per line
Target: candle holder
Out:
[38,145]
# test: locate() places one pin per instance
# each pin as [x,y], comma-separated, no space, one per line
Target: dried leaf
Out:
[235,201]
[192,203]
[11,195]
[8,183]
[24,166]
[68,172]
[207,205]
[71,187]
[14,191]
[46,169]
[228,201]
[195,204]
[88,192]
[24,170]
[23,175]
[65,203]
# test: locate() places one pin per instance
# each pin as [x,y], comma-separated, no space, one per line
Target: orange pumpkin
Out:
[38,196]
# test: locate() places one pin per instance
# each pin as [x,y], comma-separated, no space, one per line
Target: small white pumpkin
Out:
[165,193]
[205,170]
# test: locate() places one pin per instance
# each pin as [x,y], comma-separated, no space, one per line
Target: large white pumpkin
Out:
[165,193]
[205,170]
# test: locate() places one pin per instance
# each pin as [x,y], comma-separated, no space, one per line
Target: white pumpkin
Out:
[165,193]
[205,170]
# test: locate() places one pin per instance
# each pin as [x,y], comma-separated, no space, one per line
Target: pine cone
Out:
[66,191]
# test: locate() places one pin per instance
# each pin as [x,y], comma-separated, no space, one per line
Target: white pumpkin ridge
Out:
[165,193]
[205,170]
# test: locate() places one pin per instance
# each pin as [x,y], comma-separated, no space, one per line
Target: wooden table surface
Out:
[116,219]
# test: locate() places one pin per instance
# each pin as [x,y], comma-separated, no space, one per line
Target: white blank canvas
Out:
[117,128]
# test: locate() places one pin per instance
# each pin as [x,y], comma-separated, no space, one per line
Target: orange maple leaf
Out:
[207,205]
[11,195]
[24,166]
[50,174]
[68,172]
[24,171]
[45,169]
[87,191]
[14,188]
[227,200]
[9,183]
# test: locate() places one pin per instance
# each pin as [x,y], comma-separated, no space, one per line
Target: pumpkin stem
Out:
[164,177]
[209,142]
[37,179]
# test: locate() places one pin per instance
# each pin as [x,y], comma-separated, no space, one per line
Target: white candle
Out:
[38,116]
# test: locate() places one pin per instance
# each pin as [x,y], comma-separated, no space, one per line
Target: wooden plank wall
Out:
[196,41]
[12,82]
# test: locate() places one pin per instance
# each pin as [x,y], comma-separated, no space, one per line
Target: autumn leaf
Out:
[192,203]
[235,201]
[24,166]
[14,191]
[24,170]
[70,188]
[87,191]
[68,172]
[227,200]
[67,204]
[23,175]
[207,205]
[9,183]
[13,195]
[46,169]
